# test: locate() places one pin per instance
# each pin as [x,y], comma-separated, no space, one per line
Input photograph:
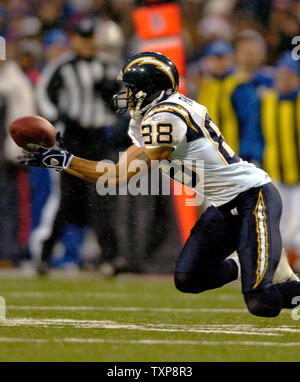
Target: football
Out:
[32,129]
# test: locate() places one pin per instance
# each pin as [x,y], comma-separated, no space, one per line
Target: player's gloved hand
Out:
[57,158]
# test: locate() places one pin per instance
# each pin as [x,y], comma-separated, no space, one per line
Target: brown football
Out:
[33,129]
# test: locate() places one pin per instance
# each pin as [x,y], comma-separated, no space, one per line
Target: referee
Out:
[74,94]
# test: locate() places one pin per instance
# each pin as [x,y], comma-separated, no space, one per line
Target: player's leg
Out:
[259,250]
[202,264]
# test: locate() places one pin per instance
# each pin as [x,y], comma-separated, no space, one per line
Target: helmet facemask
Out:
[138,101]
[145,102]
[123,99]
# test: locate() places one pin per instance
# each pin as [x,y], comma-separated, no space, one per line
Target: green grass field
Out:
[137,318]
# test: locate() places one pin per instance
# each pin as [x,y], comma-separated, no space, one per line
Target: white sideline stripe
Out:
[34,294]
[64,294]
[147,342]
[94,324]
[126,309]
[130,309]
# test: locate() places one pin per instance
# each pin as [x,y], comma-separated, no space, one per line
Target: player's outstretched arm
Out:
[92,171]
[120,173]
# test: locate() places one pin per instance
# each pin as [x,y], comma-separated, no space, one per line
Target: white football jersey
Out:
[186,126]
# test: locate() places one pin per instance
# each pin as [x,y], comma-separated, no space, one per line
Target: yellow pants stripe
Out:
[262,239]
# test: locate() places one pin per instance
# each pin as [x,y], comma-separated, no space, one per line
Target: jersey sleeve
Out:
[134,133]
[162,129]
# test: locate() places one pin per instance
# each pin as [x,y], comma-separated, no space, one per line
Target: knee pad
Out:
[189,282]
[184,282]
[264,303]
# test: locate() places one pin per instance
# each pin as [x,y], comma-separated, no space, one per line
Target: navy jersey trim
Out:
[219,139]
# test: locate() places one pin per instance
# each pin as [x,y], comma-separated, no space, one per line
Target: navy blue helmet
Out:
[149,76]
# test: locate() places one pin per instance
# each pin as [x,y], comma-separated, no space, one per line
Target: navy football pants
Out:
[248,224]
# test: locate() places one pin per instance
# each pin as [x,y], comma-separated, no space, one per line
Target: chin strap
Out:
[138,113]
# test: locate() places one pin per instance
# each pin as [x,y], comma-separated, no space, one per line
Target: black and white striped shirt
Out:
[77,90]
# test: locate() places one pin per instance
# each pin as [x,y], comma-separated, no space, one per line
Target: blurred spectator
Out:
[110,40]
[28,57]
[281,128]
[51,14]
[219,7]
[55,43]
[212,28]
[29,26]
[74,94]
[258,11]
[295,9]
[232,101]
[250,55]
[16,101]
[3,21]
[283,26]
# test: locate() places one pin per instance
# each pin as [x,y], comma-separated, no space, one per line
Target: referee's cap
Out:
[84,28]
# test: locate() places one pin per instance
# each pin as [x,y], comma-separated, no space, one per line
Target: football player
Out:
[244,210]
